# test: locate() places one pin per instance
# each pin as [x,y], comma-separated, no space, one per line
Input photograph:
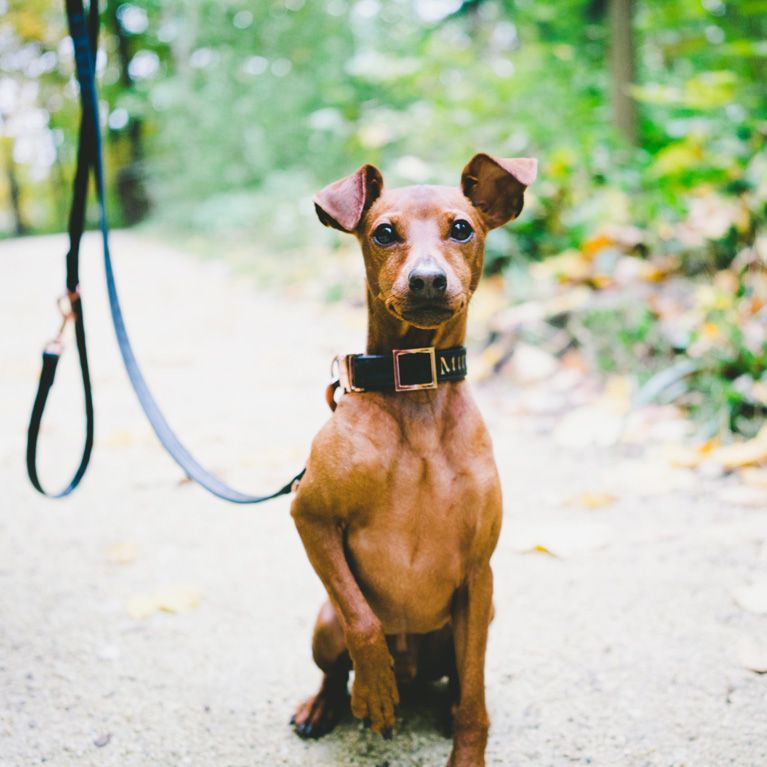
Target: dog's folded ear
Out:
[343,203]
[496,187]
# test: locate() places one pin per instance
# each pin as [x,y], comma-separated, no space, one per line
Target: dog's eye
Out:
[461,230]
[384,234]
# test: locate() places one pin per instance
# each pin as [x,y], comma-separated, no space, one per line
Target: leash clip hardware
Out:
[65,305]
[397,354]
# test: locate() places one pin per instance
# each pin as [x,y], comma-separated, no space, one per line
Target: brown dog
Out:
[400,507]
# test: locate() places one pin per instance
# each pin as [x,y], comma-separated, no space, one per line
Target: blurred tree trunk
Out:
[623,67]
[14,188]
[131,192]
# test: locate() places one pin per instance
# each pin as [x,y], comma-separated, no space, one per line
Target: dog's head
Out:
[424,245]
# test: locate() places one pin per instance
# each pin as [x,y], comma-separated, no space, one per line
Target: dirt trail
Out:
[621,651]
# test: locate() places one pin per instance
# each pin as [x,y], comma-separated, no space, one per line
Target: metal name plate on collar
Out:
[399,354]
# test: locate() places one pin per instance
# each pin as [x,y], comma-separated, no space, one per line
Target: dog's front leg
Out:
[374,690]
[472,610]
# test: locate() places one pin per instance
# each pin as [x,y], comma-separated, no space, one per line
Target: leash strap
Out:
[84,37]
[87,32]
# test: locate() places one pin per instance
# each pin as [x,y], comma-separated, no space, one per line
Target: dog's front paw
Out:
[374,691]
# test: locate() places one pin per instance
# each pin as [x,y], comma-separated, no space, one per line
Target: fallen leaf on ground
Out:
[753,654]
[592,246]
[690,458]
[594,500]
[562,540]
[683,457]
[171,599]
[121,553]
[538,549]
[122,438]
[749,453]
[753,598]
[753,476]
[617,394]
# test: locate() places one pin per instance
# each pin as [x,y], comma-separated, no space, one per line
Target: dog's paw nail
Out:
[386,733]
[293,719]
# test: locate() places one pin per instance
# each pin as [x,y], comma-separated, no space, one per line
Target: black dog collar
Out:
[402,370]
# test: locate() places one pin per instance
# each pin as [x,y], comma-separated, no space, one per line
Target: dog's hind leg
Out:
[319,714]
[437,661]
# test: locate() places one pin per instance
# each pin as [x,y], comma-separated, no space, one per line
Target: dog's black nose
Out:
[428,280]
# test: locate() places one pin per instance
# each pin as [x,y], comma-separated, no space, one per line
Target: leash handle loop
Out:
[84,34]
[85,40]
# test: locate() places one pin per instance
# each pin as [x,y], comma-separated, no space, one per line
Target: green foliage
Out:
[271,100]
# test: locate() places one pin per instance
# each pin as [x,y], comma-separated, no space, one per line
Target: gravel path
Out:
[620,651]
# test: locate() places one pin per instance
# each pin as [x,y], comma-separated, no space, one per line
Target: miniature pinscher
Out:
[400,507]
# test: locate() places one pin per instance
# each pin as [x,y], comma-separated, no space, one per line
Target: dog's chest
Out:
[431,501]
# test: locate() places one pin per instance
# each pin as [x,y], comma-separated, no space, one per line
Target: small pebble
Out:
[101,740]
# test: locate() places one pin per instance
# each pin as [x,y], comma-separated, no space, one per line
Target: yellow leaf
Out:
[177,599]
[706,447]
[122,438]
[539,549]
[653,273]
[568,266]
[753,476]
[596,500]
[121,553]
[592,246]
[617,394]
[601,281]
[170,599]
[691,458]
[749,453]
[683,458]
[709,330]
[562,540]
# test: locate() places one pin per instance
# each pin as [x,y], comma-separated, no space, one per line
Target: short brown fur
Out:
[400,507]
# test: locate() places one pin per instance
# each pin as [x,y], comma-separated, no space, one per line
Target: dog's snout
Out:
[428,280]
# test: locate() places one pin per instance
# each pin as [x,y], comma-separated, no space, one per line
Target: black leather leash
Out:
[84,33]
